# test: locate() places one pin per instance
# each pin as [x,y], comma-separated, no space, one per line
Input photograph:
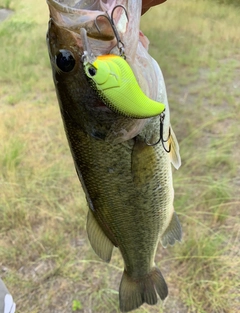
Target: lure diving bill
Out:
[118,88]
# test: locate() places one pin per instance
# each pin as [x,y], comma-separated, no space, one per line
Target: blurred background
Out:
[45,257]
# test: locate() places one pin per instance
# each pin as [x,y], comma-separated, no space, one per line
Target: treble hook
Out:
[120,44]
[162,117]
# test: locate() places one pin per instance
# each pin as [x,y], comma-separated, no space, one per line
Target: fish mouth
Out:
[94,17]
[74,14]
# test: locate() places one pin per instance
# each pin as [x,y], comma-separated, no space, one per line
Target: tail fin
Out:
[134,292]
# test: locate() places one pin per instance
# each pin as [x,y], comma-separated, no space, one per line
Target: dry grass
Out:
[45,257]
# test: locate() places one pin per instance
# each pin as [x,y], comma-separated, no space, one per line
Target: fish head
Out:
[78,101]
[64,50]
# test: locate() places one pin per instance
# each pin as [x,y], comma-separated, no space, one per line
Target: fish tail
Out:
[134,292]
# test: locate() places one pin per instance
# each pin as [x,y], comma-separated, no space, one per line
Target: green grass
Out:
[45,257]
[5,4]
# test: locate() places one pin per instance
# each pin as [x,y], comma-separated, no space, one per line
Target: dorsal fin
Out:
[174,153]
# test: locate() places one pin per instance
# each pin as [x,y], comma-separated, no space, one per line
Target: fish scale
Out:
[112,205]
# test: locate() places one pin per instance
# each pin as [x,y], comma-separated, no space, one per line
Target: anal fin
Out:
[99,241]
[173,232]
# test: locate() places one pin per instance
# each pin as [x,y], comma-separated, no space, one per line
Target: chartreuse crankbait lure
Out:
[118,88]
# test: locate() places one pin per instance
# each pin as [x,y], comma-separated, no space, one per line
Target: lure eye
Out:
[65,61]
[92,71]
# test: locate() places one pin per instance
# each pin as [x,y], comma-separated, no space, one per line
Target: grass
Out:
[45,257]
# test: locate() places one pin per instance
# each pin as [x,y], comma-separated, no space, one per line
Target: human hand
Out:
[147,4]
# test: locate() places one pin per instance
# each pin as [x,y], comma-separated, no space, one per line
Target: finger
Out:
[147,4]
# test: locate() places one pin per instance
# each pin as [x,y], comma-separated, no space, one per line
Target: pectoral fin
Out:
[100,243]
[173,232]
[144,163]
[174,153]
[124,129]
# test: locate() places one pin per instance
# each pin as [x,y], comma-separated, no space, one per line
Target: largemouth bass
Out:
[127,178]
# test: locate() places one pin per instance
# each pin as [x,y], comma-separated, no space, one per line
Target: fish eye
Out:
[65,60]
[92,71]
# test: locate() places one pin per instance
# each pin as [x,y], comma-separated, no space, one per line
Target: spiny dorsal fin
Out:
[173,232]
[174,153]
[99,241]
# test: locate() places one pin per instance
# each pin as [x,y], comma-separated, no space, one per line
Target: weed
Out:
[76,305]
